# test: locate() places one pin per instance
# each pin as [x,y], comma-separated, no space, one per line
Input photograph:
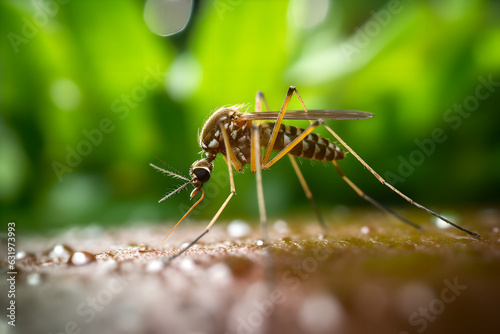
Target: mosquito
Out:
[242,136]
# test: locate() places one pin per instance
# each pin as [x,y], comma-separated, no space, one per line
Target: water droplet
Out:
[442,224]
[155,266]
[108,265]
[259,242]
[187,264]
[220,274]
[60,251]
[25,256]
[81,258]
[238,228]
[34,279]
[281,227]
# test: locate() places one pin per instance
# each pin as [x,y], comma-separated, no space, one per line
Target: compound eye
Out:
[202,174]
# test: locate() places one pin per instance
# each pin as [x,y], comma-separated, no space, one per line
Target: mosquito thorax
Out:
[211,138]
[200,172]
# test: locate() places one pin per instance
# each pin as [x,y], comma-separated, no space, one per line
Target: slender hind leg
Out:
[384,182]
[308,193]
[371,200]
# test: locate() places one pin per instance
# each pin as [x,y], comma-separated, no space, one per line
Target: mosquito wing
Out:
[311,115]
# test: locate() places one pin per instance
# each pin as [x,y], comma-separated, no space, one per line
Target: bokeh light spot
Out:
[167,17]
[65,94]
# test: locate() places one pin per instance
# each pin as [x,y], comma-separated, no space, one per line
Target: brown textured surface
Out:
[346,282]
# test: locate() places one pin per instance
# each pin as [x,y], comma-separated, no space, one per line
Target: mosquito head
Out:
[200,173]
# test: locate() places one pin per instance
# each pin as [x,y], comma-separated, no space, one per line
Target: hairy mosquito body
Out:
[241,136]
[212,139]
[313,146]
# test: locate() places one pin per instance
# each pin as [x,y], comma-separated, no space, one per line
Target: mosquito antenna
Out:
[194,205]
[173,172]
[170,167]
[170,194]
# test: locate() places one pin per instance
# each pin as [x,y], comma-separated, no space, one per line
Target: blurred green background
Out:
[90,96]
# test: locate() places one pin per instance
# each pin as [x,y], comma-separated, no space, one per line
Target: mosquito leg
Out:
[255,145]
[277,125]
[308,193]
[207,229]
[229,157]
[183,250]
[384,182]
[258,175]
[258,102]
[255,159]
[302,180]
[256,152]
[372,201]
[274,134]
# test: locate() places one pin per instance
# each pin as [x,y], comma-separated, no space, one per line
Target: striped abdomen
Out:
[312,147]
